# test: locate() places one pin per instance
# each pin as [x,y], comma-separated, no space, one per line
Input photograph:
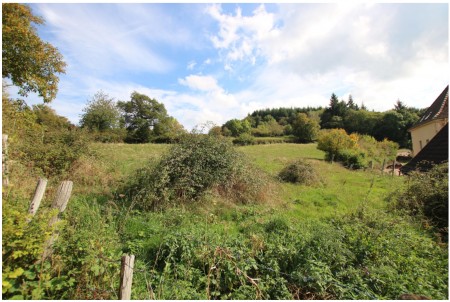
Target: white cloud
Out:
[95,38]
[240,36]
[202,83]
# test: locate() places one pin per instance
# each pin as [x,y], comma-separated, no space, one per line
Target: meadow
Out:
[338,239]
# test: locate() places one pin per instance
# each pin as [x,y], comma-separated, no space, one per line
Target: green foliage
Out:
[268,127]
[305,129]
[334,141]
[22,247]
[55,151]
[168,130]
[426,196]
[301,172]
[198,164]
[362,256]
[141,114]
[355,150]
[237,127]
[244,140]
[39,139]
[100,114]
[108,136]
[48,118]
[362,121]
[88,250]
[394,126]
[29,62]
[354,159]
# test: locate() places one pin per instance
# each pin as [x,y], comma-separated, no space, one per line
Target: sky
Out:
[215,62]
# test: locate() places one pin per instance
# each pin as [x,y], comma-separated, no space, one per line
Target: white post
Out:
[60,203]
[38,194]
[126,277]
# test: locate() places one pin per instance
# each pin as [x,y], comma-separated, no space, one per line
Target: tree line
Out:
[305,123]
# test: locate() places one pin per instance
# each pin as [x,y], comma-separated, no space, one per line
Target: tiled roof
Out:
[437,110]
[435,152]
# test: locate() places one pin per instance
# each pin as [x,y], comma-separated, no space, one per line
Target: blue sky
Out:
[214,62]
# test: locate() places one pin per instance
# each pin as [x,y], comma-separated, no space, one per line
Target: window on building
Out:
[420,144]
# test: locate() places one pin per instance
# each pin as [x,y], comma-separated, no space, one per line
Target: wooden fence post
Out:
[5,174]
[126,277]
[60,203]
[38,194]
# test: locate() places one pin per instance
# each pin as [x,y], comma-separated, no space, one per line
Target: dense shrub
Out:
[301,172]
[198,164]
[333,141]
[354,159]
[244,140]
[108,136]
[427,197]
[354,150]
[55,152]
[38,138]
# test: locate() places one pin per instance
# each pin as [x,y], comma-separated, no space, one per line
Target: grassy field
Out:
[342,189]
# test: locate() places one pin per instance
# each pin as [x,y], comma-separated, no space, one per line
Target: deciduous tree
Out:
[101,113]
[31,63]
[141,114]
[304,128]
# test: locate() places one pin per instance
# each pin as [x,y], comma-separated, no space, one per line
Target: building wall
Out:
[421,135]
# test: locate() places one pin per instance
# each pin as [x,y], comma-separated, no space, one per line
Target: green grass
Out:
[343,190]
[126,158]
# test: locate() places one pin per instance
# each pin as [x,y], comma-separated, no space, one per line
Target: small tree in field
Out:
[334,141]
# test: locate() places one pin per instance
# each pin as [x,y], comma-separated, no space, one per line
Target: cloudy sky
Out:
[214,62]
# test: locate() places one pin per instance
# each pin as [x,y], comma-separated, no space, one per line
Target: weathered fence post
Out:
[126,277]
[60,203]
[5,175]
[38,194]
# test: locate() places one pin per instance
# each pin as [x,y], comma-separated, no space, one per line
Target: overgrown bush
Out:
[197,165]
[426,196]
[39,141]
[109,136]
[55,152]
[301,172]
[354,150]
[244,140]
[354,159]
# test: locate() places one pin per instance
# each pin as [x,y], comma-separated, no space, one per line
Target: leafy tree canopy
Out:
[141,114]
[29,62]
[101,113]
[305,128]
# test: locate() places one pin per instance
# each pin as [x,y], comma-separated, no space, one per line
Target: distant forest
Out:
[392,124]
